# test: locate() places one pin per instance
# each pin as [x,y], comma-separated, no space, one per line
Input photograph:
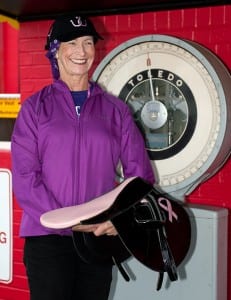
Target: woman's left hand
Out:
[98,229]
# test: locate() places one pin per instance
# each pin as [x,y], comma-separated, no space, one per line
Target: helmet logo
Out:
[78,22]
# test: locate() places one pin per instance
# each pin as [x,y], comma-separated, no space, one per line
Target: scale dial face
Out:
[163,108]
[178,102]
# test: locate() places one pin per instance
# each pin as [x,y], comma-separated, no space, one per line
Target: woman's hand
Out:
[98,229]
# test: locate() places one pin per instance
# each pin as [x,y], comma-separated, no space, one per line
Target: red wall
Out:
[209,26]
[9,82]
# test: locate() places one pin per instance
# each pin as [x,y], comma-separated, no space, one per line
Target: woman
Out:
[66,146]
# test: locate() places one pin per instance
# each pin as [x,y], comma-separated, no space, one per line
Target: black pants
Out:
[55,271]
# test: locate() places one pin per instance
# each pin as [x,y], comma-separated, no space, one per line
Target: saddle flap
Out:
[143,239]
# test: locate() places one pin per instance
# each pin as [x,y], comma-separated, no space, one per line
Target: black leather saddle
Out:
[152,227]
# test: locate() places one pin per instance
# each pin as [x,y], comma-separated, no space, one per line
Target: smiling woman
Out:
[75,59]
[62,136]
[78,48]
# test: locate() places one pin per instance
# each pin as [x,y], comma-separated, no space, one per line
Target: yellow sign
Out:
[14,23]
[9,105]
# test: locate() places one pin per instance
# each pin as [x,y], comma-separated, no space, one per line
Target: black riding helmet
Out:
[65,29]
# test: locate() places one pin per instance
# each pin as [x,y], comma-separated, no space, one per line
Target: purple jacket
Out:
[60,159]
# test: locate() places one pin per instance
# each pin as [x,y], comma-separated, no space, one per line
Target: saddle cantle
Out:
[153,228]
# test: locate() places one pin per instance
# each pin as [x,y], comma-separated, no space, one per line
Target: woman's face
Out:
[76,57]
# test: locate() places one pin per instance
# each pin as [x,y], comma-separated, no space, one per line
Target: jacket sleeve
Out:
[134,156]
[28,186]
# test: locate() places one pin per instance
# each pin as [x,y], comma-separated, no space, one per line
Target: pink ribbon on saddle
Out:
[167,207]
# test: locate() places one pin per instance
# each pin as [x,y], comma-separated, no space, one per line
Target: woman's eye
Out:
[71,43]
[90,43]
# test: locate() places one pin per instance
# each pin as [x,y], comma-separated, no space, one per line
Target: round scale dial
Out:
[178,94]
